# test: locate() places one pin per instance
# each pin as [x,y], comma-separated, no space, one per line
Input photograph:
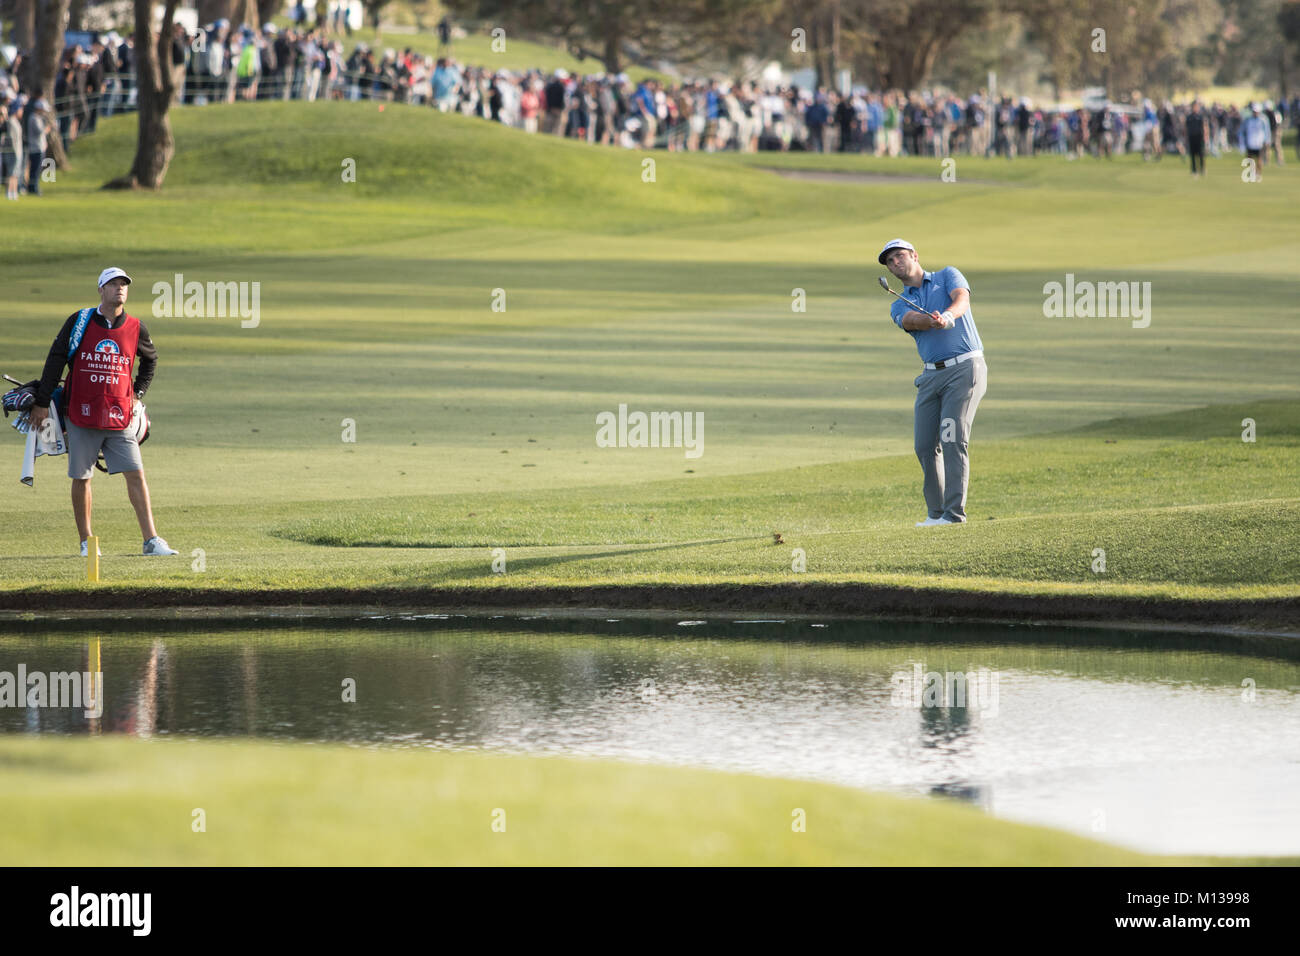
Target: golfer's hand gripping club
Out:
[937,320]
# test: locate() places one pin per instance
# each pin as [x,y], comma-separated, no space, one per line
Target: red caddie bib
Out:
[99,387]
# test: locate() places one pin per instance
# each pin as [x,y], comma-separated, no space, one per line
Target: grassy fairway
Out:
[476,428]
[115,801]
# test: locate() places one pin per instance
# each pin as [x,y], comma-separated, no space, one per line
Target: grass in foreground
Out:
[113,802]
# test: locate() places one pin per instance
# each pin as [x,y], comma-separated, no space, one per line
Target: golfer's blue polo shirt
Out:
[935,294]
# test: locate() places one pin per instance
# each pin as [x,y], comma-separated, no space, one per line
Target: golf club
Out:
[9,378]
[885,285]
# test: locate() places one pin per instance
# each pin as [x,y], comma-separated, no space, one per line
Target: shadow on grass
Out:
[546,561]
[1274,418]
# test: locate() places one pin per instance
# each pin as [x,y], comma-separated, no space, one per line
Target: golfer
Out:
[953,382]
[102,401]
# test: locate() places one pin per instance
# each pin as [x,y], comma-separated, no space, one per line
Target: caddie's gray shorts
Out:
[121,451]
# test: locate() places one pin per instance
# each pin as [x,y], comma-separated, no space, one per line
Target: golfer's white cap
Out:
[891,245]
[111,273]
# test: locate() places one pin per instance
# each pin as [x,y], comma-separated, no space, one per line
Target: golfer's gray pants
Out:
[946,400]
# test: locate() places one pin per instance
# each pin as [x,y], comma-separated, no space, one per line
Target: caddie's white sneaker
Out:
[84,549]
[157,545]
[929,522]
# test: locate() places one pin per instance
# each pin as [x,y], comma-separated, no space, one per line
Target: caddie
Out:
[99,346]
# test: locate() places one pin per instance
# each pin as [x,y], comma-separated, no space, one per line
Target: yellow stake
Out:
[92,558]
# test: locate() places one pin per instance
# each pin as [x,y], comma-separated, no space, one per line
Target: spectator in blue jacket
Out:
[816,116]
[643,102]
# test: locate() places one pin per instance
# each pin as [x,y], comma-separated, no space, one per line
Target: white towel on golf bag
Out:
[38,444]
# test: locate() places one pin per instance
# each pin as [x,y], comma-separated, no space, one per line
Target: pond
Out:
[1165,742]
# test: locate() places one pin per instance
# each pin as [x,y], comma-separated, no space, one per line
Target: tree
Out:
[44,66]
[51,15]
[683,31]
[1186,61]
[156,86]
[210,11]
[266,9]
[373,10]
[1288,21]
[23,34]
[1161,44]
[998,47]
[903,40]
[1255,45]
[245,12]
[1063,32]
[891,44]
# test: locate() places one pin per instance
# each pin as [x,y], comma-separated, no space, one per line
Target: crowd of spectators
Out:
[224,64]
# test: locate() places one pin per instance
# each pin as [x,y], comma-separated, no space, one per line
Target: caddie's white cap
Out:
[891,245]
[111,273]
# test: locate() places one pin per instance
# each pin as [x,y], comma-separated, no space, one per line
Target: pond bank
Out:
[1272,616]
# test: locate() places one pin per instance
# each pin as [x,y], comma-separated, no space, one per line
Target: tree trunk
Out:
[266,9]
[76,9]
[245,12]
[23,34]
[156,86]
[815,48]
[612,59]
[210,11]
[835,43]
[1281,75]
[50,15]
[910,65]
[44,66]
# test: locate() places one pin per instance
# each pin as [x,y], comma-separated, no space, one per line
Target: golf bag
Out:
[19,399]
[22,398]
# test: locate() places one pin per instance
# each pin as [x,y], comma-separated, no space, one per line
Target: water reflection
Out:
[981,797]
[1047,731]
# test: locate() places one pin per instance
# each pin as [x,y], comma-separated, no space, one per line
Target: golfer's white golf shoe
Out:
[930,522]
[97,551]
[157,545]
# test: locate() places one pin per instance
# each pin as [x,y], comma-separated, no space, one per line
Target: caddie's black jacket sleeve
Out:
[146,359]
[55,363]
